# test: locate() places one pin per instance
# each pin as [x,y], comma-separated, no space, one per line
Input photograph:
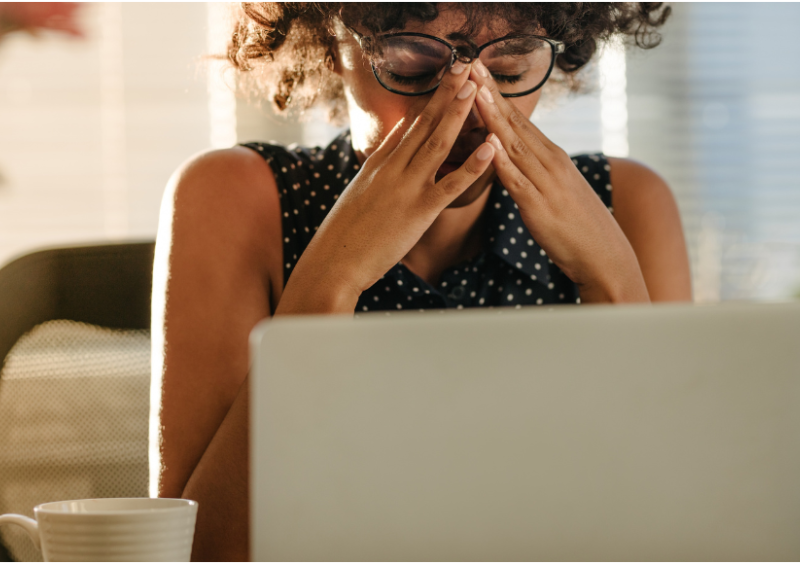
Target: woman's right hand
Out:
[389,205]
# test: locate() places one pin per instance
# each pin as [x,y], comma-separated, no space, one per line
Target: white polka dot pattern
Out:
[513,270]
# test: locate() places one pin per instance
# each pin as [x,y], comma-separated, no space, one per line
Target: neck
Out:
[455,236]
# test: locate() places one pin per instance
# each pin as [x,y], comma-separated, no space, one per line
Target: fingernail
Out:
[482,70]
[495,140]
[484,153]
[458,68]
[466,90]
[441,73]
[486,94]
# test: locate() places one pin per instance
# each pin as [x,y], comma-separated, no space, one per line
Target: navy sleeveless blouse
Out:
[513,270]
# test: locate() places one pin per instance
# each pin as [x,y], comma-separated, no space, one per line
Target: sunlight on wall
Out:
[221,97]
[92,128]
[614,100]
[112,101]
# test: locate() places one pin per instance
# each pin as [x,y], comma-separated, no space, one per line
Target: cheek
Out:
[372,109]
[373,114]
[526,104]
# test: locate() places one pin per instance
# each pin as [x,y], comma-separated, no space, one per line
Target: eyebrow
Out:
[456,36]
[521,46]
[422,48]
[518,48]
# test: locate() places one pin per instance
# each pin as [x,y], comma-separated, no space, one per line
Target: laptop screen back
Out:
[579,433]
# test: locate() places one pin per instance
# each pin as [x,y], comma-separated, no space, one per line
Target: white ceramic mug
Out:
[114,529]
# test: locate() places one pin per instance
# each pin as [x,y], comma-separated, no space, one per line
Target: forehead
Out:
[453,25]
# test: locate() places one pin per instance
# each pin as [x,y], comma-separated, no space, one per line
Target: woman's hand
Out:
[388,206]
[558,206]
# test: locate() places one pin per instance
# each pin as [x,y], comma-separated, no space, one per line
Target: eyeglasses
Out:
[413,64]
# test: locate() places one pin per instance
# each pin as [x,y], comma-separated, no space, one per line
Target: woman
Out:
[442,194]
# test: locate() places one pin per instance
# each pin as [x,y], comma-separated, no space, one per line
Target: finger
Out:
[520,122]
[518,184]
[454,184]
[435,149]
[427,121]
[394,137]
[526,158]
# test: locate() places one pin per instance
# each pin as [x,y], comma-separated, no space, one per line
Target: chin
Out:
[475,190]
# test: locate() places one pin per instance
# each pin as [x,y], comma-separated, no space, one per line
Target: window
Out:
[90,130]
[716,110]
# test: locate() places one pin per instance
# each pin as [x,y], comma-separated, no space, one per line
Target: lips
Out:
[459,153]
[454,160]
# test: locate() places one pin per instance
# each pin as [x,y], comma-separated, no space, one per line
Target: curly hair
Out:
[297,38]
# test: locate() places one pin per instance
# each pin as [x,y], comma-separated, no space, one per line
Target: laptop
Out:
[668,432]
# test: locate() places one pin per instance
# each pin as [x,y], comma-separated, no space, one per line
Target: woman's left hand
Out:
[558,206]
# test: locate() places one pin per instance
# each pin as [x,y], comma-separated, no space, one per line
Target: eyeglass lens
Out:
[413,65]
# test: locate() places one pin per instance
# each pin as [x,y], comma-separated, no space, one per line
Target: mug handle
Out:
[31,527]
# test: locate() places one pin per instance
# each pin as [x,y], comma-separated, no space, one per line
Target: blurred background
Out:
[92,127]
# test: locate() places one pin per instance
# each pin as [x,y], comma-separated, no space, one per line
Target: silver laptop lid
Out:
[580,433]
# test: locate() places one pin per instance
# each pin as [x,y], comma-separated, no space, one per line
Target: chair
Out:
[74,378]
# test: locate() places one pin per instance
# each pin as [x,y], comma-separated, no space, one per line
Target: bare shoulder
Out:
[224,203]
[648,214]
[641,196]
[234,177]
[633,180]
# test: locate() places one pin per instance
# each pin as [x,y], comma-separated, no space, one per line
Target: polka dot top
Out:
[513,270]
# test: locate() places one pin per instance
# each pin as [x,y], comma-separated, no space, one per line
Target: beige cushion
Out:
[74,408]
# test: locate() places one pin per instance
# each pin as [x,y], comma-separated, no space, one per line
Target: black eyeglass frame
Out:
[556,48]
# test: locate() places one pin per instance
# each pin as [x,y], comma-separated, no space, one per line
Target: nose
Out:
[474,123]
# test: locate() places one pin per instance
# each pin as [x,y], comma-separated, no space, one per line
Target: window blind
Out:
[716,110]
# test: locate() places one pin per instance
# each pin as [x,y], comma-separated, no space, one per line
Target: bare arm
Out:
[218,243]
[219,271]
[646,212]
[221,486]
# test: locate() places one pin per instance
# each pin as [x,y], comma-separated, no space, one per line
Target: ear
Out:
[335,57]
[341,36]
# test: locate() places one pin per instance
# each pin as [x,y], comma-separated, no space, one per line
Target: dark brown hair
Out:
[296,38]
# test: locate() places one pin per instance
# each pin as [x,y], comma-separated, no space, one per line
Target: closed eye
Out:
[410,79]
[506,78]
